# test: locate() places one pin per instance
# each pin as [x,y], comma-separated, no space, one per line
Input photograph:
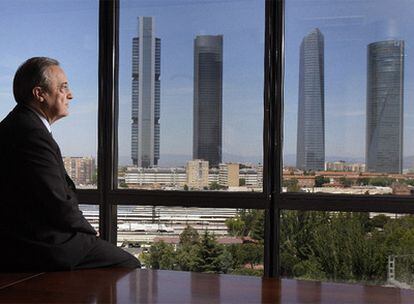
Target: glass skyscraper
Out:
[146,60]
[208,92]
[310,149]
[385,101]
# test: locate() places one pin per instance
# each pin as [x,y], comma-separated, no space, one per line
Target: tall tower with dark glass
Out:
[385,101]
[146,60]
[310,154]
[208,91]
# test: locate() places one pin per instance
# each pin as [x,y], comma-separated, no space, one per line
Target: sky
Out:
[348,27]
[68,31]
[177,23]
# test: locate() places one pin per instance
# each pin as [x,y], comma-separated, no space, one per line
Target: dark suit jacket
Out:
[41,226]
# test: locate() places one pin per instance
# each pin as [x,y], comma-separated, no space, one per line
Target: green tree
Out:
[382,181]
[247,222]
[235,251]
[235,226]
[298,237]
[408,182]
[399,235]
[309,269]
[94,177]
[186,257]
[123,185]
[346,251]
[363,181]
[226,261]
[320,180]
[187,249]
[208,258]
[242,182]
[258,225]
[185,187]
[345,182]
[189,236]
[309,173]
[344,245]
[161,256]
[252,254]
[216,186]
[292,185]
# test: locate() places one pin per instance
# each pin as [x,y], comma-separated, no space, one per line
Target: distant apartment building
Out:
[344,166]
[197,174]
[146,63]
[208,94]
[80,169]
[213,175]
[259,176]
[310,149]
[154,177]
[385,103]
[229,175]
[253,177]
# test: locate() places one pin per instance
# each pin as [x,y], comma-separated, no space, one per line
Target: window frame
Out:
[272,200]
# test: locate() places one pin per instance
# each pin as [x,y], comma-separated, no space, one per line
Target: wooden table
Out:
[118,285]
[8,279]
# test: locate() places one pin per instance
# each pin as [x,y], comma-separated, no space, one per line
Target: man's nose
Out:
[69,95]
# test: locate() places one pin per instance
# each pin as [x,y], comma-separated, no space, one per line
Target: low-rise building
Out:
[252,177]
[344,166]
[137,177]
[229,175]
[197,174]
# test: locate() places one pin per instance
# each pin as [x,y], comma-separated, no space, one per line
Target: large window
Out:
[336,73]
[66,31]
[194,239]
[346,142]
[190,119]
[347,97]
[191,95]
[373,248]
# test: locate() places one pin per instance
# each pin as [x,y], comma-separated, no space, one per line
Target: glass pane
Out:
[371,248]
[66,31]
[194,239]
[191,95]
[347,111]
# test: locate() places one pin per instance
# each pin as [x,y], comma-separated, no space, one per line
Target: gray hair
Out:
[32,73]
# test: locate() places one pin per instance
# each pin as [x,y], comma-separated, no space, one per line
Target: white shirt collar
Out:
[42,118]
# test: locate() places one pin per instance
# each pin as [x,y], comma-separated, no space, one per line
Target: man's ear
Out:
[38,94]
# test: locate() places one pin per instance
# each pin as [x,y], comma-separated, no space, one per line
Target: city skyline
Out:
[348,28]
[145,114]
[208,100]
[310,146]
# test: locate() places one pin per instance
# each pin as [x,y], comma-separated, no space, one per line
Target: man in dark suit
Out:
[41,226]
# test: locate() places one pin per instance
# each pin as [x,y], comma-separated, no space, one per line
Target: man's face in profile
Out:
[58,95]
